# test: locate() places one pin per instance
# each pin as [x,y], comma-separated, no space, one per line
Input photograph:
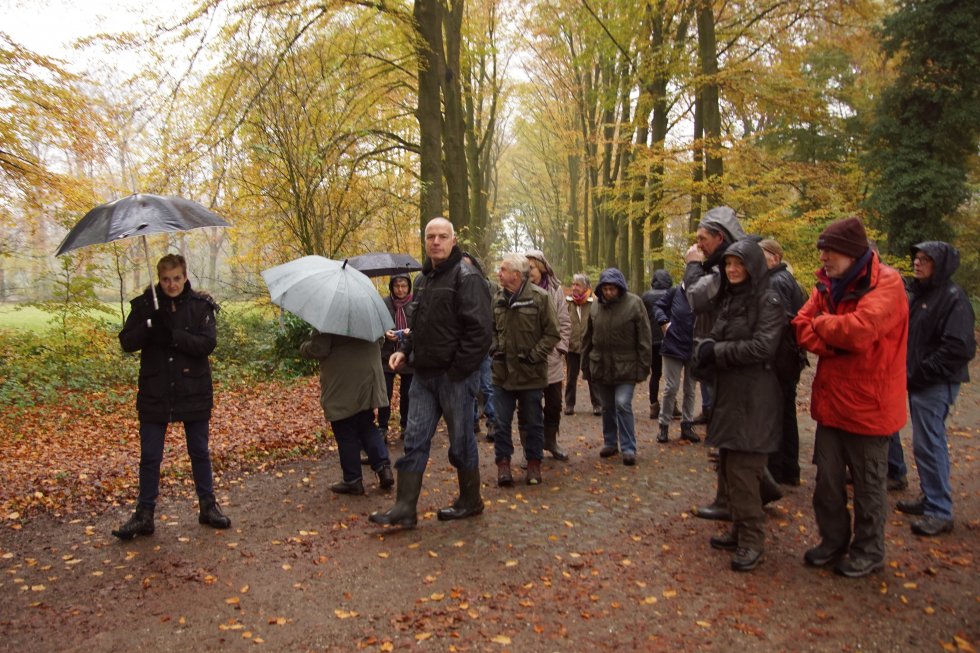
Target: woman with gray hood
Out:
[740,353]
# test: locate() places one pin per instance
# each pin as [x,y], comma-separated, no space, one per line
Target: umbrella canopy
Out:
[140,214]
[380,264]
[331,295]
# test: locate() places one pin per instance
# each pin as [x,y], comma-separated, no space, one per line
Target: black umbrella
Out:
[380,264]
[139,214]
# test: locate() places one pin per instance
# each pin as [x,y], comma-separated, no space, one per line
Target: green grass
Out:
[16,317]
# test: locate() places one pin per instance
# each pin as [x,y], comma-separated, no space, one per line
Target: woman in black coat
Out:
[740,352]
[174,342]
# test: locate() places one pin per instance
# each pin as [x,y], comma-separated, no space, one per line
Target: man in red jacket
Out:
[856,322]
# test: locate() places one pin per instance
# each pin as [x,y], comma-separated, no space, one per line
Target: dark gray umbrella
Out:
[140,214]
[381,264]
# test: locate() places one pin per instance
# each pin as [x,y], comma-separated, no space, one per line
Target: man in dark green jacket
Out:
[525,331]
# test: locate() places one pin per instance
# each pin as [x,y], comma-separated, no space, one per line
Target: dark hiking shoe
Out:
[713,511]
[823,555]
[629,459]
[211,515]
[916,507]
[662,436]
[385,478]
[726,542]
[141,523]
[505,478]
[687,432]
[348,487]
[931,526]
[852,567]
[608,452]
[655,410]
[897,484]
[746,559]
[534,472]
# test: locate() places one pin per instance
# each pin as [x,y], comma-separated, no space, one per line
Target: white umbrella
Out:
[331,295]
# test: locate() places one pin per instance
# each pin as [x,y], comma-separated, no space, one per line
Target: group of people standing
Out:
[738,322]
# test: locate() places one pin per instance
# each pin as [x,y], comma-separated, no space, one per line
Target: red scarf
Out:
[401,322]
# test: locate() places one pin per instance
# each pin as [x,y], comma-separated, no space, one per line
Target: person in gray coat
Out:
[739,353]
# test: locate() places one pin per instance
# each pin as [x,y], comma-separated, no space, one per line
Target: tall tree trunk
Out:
[428,22]
[697,191]
[573,249]
[711,115]
[454,125]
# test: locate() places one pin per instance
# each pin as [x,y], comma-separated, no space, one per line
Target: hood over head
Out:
[611,276]
[661,280]
[406,277]
[945,259]
[723,219]
[751,255]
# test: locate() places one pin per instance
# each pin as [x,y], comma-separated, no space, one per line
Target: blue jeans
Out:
[929,408]
[532,413]
[353,434]
[486,389]
[618,428]
[896,457]
[152,436]
[434,397]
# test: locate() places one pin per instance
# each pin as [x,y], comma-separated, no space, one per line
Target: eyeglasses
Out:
[922,259]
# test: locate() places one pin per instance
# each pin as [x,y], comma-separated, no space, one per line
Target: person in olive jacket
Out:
[941,344]
[174,342]
[352,385]
[739,353]
[617,346]
[525,332]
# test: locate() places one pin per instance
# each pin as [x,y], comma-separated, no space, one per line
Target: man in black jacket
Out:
[450,329]
[174,342]
[941,345]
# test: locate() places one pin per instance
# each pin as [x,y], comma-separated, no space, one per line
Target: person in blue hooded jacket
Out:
[940,346]
[616,350]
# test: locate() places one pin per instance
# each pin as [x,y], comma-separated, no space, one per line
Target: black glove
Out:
[160,330]
[527,359]
[706,352]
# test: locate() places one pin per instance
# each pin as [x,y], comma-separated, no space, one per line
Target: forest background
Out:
[598,131]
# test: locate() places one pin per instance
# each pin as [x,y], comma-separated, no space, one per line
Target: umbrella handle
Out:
[153,290]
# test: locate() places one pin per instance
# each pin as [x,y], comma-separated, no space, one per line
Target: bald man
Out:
[451,328]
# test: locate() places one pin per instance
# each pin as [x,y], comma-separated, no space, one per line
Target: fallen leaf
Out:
[501,639]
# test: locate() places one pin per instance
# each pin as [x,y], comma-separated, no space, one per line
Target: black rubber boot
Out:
[551,444]
[141,523]
[211,514]
[402,514]
[769,489]
[470,502]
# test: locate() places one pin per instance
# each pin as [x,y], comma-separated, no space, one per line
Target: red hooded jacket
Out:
[861,345]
